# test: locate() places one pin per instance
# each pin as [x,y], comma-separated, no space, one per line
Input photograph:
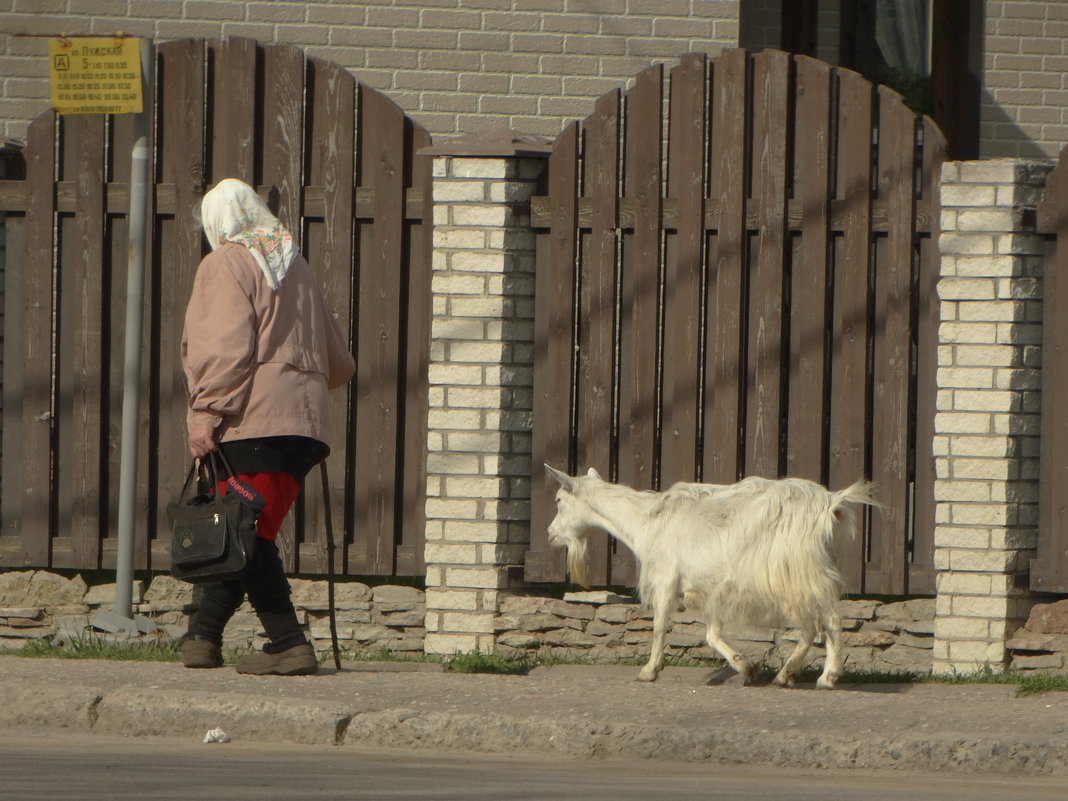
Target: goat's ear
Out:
[593,473]
[563,479]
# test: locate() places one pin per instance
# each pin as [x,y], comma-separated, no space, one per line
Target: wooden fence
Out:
[337,163]
[750,293]
[1049,570]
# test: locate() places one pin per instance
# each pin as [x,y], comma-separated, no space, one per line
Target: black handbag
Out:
[213,534]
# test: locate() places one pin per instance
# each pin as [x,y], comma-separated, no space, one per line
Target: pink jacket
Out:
[259,362]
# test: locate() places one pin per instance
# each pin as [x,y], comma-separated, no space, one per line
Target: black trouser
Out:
[268,591]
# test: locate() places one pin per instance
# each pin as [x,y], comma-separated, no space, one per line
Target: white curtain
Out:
[902,31]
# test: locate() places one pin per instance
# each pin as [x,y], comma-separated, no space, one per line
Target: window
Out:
[928,50]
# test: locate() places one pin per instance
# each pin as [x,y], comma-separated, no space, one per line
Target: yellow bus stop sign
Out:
[95,75]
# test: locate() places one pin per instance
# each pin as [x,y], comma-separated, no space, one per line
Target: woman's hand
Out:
[201,440]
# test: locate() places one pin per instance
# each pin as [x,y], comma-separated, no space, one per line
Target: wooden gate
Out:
[751,294]
[1049,570]
[337,162]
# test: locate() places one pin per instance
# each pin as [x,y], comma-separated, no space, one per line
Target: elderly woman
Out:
[260,351]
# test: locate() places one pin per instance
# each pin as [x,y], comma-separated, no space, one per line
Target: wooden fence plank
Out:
[892,348]
[847,457]
[1049,570]
[597,426]
[806,426]
[86,313]
[37,408]
[381,127]
[280,146]
[182,162]
[11,488]
[13,388]
[640,295]
[64,310]
[416,389]
[764,391]
[723,378]
[282,140]
[640,285]
[232,66]
[553,352]
[921,577]
[331,137]
[684,271]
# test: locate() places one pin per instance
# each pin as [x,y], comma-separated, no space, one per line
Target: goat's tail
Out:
[817,589]
[860,492]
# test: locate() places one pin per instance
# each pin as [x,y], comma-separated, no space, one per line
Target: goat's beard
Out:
[576,561]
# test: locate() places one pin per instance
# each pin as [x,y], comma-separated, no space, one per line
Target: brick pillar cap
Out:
[498,143]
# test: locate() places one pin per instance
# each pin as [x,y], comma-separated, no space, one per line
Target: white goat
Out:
[758,551]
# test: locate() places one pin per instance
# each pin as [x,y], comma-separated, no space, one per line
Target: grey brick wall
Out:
[1025,105]
[460,66]
[456,66]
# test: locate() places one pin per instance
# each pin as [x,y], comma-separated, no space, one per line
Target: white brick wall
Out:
[986,428]
[480,396]
[456,66]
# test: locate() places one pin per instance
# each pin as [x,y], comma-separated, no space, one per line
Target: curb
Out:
[575,712]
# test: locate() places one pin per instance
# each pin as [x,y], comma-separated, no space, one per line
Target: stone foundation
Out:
[604,627]
[1042,642]
[591,626]
[37,605]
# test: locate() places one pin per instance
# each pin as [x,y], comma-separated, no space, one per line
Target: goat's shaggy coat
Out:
[759,551]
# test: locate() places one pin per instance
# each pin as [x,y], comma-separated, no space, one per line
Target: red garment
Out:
[280,490]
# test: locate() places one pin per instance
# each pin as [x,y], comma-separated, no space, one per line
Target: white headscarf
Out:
[233,212]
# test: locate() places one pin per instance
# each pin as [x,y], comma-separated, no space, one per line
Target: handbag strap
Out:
[184,495]
[209,466]
[219,469]
[219,465]
[212,467]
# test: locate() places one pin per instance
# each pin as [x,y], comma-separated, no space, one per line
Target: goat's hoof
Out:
[826,682]
[746,676]
[745,670]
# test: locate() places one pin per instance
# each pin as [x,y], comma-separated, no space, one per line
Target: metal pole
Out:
[135,292]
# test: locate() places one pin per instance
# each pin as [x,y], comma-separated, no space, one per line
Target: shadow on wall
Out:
[1000,136]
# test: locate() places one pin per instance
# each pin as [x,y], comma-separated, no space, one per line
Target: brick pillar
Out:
[481,368]
[987,424]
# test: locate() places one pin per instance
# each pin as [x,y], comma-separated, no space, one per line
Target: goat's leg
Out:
[662,608]
[832,667]
[787,675]
[736,659]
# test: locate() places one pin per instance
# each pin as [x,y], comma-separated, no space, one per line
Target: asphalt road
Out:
[95,768]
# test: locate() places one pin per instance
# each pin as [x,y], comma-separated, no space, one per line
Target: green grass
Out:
[91,646]
[489,663]
[1027,682]
[810,674]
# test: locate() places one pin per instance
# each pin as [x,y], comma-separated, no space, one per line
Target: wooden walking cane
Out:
[328,515]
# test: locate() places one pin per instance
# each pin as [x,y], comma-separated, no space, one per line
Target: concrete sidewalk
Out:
[575,711]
